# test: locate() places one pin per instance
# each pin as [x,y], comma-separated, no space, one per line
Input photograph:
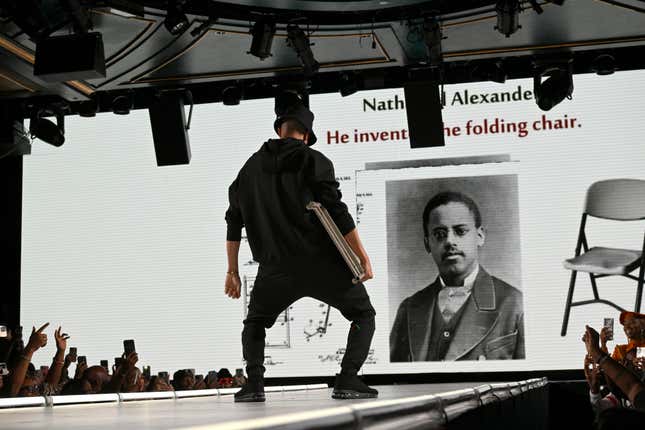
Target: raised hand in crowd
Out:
[81,367]
[604,337]
[627,381]
[126,367]
[58,362]
[37,340]
[592,375]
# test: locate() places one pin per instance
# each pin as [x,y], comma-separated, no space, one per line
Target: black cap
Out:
[289,106]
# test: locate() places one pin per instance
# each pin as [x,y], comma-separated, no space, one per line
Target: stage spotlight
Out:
[263,33]
[508,16]
[348,84]
[604,64]
[232,95]
[121,105]
[87,109]
[433,36]
[176,21]
[555,88]
[47,131]
[299,41]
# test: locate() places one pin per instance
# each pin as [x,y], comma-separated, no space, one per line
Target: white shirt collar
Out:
[468,282]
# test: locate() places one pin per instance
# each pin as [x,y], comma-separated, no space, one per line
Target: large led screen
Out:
[114,247]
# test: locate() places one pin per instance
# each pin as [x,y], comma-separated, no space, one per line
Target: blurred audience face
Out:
[134,381]
[93,380]
[635,329]
[158,384]
[183,380]
[31,387]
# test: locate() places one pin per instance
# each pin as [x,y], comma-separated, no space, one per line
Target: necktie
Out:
[450,300]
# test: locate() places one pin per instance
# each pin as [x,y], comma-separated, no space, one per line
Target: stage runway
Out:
[195,412]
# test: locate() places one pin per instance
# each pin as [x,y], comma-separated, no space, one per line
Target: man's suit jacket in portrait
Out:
[489,326]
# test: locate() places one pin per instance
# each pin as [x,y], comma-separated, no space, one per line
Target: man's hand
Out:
[367,267]
[592,374]
[232,285]
[61,340]
[128,363]
[591,339]
[37,340]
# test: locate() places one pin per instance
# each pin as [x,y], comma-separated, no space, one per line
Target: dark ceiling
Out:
[379,43]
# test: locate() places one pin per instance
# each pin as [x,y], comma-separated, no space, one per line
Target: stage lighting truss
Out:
[176,21]
[508,16]
[554,89]
[490,71]
[299,41]
[263,33]
[46,130]
[432,37]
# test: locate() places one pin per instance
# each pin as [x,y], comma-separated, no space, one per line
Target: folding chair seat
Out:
[614,199]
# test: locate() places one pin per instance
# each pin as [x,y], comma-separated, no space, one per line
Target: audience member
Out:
[24,380]
[624,378]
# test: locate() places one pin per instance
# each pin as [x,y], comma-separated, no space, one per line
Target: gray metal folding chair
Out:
[614,199]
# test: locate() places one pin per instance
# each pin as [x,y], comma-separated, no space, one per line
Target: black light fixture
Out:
[508,16]
[432,36]
[490,71]
[604,64]
[122,104]
[557,87]
[299,41]
[176,21]
[263,32]
[348,84]
[47,131]
[232,95]
[87,108]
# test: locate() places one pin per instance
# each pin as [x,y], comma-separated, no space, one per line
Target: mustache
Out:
[450,253]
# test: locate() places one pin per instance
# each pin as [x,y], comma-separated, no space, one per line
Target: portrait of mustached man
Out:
[465,313]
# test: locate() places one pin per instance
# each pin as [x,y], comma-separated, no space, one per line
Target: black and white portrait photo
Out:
[454,265]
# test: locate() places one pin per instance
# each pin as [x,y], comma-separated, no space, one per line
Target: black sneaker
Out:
[252,391]
[351,387]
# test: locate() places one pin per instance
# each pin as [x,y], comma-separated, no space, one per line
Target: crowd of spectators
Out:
[617,380]
[19,376]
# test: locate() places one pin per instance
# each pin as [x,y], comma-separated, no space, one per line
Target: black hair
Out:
[446,197]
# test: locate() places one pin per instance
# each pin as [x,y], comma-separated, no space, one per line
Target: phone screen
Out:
[128,346]
[609,324]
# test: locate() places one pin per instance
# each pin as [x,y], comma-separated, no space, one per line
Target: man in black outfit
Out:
[297,258]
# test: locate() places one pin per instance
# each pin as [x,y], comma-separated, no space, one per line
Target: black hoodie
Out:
[269,198]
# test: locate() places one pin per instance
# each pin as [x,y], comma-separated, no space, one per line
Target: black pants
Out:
[327,280]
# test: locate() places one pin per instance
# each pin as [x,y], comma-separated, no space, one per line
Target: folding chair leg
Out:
[567,308]
[594,287]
